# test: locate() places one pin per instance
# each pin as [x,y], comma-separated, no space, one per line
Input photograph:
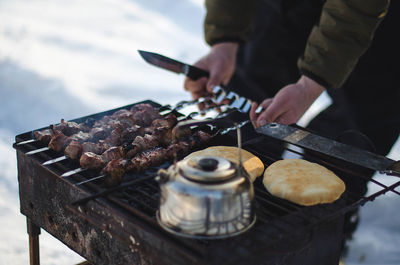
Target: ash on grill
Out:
[117,225]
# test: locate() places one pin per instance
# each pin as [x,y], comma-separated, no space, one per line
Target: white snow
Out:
[66,59]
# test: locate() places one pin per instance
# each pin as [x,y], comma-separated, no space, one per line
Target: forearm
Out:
[228,20]
[344,33]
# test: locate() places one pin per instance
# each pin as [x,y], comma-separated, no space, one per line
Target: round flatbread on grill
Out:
[302,182]
[251,163]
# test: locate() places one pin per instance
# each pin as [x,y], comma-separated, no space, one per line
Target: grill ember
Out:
[90,183]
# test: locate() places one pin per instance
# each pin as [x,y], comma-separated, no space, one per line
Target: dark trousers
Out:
[365,112]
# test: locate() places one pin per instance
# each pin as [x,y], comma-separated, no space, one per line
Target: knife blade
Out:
[220,92]
[175,66]
[310,141]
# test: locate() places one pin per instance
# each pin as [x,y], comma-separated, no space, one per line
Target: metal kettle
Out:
[206,197]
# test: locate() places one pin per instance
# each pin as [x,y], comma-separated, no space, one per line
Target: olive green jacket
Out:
[344,32]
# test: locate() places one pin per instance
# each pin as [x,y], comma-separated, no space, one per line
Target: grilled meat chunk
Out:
[91,161]
[121,112]
[72,146]
[125,117]
[178,150]
[163,135]
[180,133]
[59,141]
[96,148]
[168,121]
[98,133]
[183,147]
[142,143]
[144,114]
[115,137]
[159,133]
[201,137]
[73,150]
[130,133]
[81,136]
[44,135]
[148,158]
[67,127]
[115,152]
[88,123]
[114,171]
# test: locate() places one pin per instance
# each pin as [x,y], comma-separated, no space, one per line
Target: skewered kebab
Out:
[120,136]
[117,137]
[112,134]
[43,136]
[160,136]
[162,133]
[116,168]
[75,145]
[66,128]
[116,129]
[124,137]
[141,114]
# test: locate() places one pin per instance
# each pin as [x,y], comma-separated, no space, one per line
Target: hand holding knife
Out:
[220,92]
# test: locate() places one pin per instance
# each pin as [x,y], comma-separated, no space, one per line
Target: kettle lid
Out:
[207,169]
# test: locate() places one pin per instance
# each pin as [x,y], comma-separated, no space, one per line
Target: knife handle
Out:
[195,73]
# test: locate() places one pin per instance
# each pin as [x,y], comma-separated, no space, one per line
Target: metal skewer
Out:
[27,141]
[38,151]
[55,160]
[89,180]
[239,141]
[246,106]
[73,172]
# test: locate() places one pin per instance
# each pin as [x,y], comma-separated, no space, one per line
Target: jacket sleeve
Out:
[345,31]
[228,20]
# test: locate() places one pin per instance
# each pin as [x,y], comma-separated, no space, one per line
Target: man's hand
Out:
[220,62]
[289,104]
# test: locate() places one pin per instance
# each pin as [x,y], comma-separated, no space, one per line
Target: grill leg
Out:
[34,232]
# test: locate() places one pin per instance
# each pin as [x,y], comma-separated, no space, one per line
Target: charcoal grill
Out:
[118,225]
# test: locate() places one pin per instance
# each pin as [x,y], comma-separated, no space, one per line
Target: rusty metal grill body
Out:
[119,226]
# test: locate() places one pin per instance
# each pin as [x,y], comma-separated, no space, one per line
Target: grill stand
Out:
[104,234]
[44,200]
[34,232]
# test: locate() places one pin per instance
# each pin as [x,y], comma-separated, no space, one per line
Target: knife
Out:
[175,66]
[330,147]
[220,92]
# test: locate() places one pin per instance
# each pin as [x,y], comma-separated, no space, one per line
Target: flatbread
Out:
[302,182]
[251,163]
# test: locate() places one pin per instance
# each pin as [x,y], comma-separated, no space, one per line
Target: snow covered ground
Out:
[66,59]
